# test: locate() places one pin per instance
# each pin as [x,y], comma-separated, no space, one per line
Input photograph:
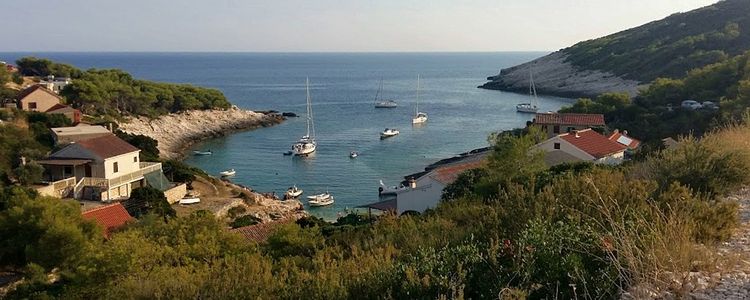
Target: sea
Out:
[343,88]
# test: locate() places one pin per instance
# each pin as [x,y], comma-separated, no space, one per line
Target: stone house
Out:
[582,145]
[553,124]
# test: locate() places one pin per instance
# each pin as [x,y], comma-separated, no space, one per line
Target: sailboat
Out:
[306,145]
[529,107]
[383,103]
[419,117]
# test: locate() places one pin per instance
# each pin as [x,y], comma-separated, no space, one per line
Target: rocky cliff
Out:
[553,75]
[176,132]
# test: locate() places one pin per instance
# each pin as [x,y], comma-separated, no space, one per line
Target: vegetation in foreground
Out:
[571,231]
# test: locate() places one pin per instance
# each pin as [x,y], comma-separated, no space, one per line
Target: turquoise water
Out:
[343,87]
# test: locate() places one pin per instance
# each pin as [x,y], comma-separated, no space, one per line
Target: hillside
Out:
[623,61]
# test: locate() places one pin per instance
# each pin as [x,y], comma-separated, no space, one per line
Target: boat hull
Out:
[419,120]
[187,201]
[322,202]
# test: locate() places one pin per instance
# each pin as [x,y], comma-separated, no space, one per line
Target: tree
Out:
[147,145]
[152,201]
[29,173]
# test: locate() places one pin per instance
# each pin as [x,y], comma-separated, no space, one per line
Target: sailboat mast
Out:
[416,107]
[532,87]
[309,108]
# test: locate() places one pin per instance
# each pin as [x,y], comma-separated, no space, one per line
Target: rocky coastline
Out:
[177,132]
[555,76]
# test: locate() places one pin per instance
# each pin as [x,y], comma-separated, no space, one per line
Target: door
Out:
[87,171]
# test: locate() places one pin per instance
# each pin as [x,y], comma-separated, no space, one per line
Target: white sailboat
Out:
[419,117]
[383,103]
[306,145]
[529,107]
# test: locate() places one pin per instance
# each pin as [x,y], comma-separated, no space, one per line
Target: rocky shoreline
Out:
[554,76]
[177,132]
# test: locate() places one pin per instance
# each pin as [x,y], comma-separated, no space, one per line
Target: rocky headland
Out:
[554,75]
[177,132]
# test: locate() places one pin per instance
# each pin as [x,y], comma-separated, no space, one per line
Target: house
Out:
[105,168]
[55,84]
[109,217]
[71,113]
[67,135]
[624,139]
[556,123]
[37,98]
[582,145]
[426,189]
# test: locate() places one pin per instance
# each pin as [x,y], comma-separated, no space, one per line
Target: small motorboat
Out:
[293,192]
[321,201]
[189,200]
[353,154]
[386,104]
[318,197]
[389,132]
[227,173]
[199,152]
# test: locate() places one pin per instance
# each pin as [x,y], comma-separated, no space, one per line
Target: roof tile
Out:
[261,232]
[107,146]
[110,217]
[593,143]
[570,119]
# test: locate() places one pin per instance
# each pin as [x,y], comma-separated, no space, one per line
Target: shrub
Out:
[245,220]
[153,201]
[236,211]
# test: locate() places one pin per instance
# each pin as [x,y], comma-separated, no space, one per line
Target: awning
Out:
[63,162]
[382,205]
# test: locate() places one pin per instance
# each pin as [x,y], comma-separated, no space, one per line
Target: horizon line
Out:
[270,52]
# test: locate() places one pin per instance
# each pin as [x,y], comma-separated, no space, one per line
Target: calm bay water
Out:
[343,87]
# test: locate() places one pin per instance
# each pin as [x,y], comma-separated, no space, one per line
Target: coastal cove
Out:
[343,89]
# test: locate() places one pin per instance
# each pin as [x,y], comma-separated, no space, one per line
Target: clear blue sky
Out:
[319,25]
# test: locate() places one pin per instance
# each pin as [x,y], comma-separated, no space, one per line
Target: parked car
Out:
[709,105]
[691,104]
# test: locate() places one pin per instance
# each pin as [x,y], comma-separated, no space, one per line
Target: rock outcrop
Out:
[553,75]
[176,132]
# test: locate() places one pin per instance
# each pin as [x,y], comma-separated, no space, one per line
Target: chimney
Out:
[576,133]
[625,132]
[412,183]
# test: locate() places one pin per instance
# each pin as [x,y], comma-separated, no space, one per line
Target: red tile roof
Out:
[593,143]
[570,119]
[110,217]
[261,232]
[624,139]
[107,146]
[448,174]
[31,89]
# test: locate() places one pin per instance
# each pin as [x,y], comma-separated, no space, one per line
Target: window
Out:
[135,159]
[557,146]
[67,171]
[32,106]
[115,167]
[556,129]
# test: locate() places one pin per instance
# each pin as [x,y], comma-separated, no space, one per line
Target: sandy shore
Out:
[177,132]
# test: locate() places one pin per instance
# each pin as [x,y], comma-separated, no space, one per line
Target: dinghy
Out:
[227,173]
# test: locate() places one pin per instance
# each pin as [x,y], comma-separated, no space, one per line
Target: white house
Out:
[104,168]
[425,191]
[582,145]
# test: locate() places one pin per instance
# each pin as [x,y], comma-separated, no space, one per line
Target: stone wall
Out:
[176,193]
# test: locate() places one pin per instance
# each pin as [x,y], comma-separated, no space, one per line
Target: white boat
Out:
[353,154]
[190,200]
[419,117]
[383,103]
[322,196]
[227,173]
[530,107]
[323,201]
[389,132]
[198,152]
[293,192]
[306,145]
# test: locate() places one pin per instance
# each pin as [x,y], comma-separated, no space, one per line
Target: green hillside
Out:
[672,46]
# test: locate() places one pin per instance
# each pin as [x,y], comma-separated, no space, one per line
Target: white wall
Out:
[426,195]
[549,146]
[127,163]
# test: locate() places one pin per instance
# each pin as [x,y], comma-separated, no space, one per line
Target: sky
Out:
[320,25]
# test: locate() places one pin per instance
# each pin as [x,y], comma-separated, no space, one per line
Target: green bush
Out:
[243,221]
[153,201]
